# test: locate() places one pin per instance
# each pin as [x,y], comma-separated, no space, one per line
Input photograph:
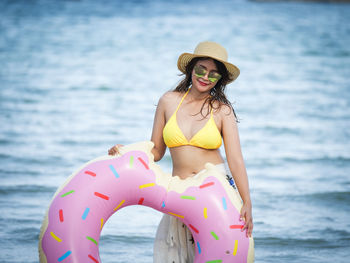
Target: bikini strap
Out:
[183,97]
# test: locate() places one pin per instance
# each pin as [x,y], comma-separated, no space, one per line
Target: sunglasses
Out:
[200,72]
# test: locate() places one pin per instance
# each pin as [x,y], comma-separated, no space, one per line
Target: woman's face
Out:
[205,75]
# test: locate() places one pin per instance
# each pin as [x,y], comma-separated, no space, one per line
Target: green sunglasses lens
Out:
[213,77]
[200,72]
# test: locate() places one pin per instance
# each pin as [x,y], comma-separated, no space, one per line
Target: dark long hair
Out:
[217,93]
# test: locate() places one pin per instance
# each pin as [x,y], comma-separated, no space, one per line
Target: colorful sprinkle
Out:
[235,248]
[224,204]
[176,215]
[236,226]
[141,201]
[64,256]
[120,204]
[199,248]
[147,185]
[143,162]
[205,213]
[214,261]
[194,229]
[131,162]
[92,240]
[114,171]
[55,237]
[60,214]
[214,235]
[188,197]
[206,185]
[85,214]
[68,193]
[90,173]
[101,196]
[101,223]
[93,259]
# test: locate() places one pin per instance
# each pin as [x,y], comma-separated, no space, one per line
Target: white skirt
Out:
[174,242]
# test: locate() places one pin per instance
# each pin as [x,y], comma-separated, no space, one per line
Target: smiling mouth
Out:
[203,83]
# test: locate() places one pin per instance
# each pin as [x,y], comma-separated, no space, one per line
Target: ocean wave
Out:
[22,159]
[338,200]
[25,189]
[328,159]
[272,161]
[305,243]
[280,130]
[331,198]
[126,239]
[23,234]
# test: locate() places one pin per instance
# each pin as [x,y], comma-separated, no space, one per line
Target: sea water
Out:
[77,77]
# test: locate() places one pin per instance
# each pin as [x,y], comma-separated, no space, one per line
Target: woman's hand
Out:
[115,149]
[246,216]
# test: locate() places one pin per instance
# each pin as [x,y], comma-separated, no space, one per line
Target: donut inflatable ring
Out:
[207,204]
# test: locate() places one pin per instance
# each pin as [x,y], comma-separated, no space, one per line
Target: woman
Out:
[192,121]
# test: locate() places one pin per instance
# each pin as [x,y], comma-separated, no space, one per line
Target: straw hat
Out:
[212,50]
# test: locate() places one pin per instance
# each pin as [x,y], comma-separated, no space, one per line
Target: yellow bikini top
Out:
[207,137]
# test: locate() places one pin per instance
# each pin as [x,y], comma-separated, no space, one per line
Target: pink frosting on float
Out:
[103,187]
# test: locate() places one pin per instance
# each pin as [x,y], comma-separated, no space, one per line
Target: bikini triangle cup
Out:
[208,137]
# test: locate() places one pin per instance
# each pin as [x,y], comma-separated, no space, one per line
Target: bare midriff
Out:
[189,160]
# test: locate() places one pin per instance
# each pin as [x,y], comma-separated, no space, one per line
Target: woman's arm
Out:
[236,164]
[159,148]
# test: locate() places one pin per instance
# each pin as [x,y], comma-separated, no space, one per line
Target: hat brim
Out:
[185,58]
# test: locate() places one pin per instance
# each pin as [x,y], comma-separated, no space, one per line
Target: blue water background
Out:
[76,77]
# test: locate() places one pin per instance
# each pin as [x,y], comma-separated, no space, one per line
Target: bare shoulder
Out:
[169,97]
[225,112]
[222,109]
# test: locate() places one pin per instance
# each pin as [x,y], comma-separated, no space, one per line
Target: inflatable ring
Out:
[207,204]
